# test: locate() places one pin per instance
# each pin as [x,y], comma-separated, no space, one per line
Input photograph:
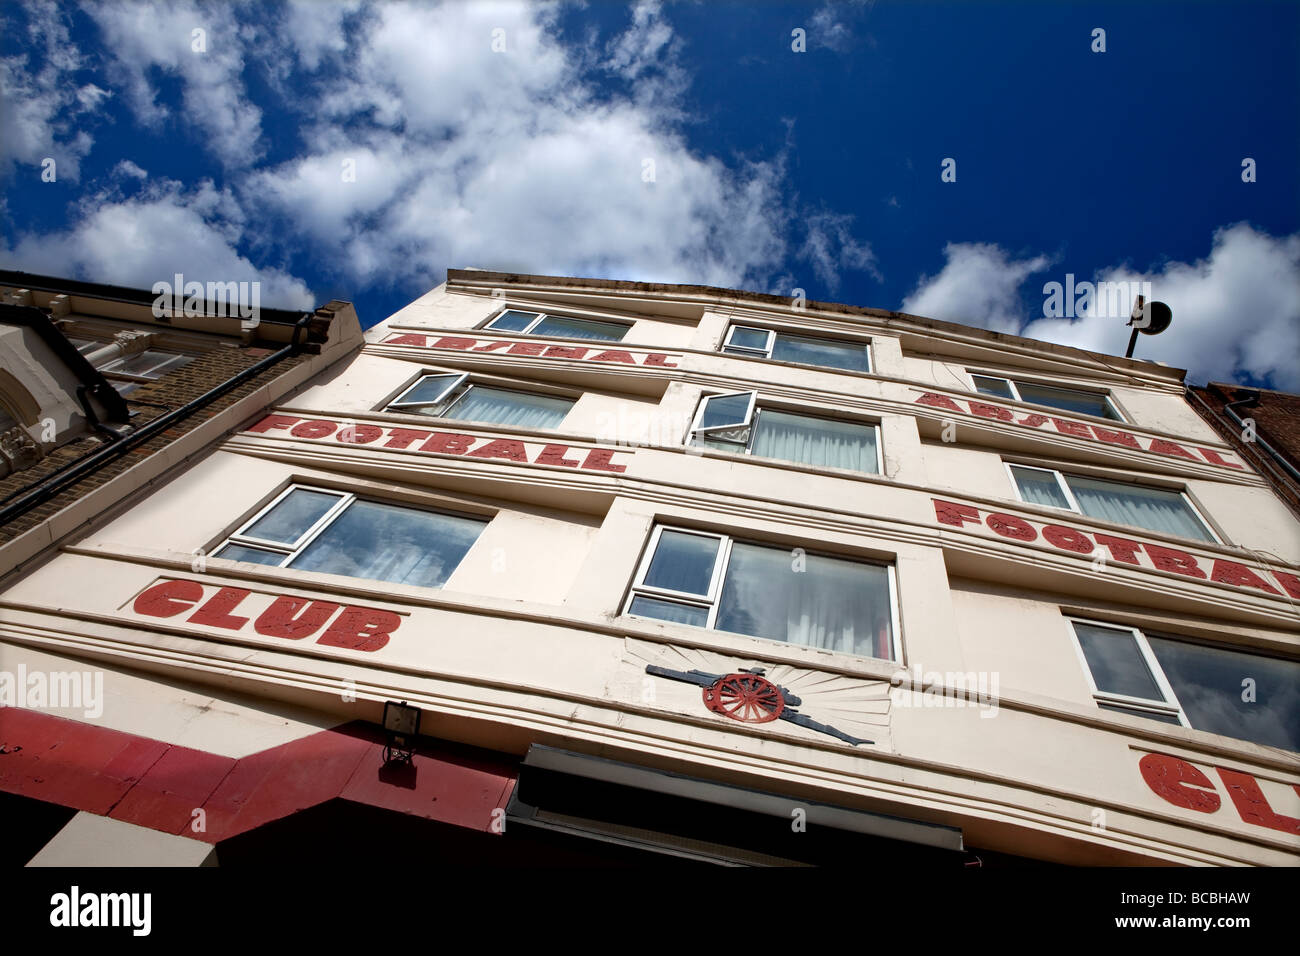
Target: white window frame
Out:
[539,317]
[766,351]
[155,372]
[1074,504]
[453,395]
[752,415]
[713,600]
[1015,394]
[1169,707]
[304,540]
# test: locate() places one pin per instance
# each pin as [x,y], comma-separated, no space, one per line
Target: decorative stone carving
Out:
[18,450]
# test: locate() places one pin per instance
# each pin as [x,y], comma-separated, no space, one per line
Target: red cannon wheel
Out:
[746,697]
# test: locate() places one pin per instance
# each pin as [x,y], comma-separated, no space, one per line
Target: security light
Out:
[402,724]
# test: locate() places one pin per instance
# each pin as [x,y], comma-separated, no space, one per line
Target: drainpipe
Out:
[1250,401]
[77,470]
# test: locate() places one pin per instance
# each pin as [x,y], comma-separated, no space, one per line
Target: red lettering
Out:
[506,448]
[315,428]
[1121,549]
[405,338]
[1214,458]
[1162,447]
[216,613]
[658,358]
[1175,780]
[614,356]
[599,459]
[1230,572]
[402,437]
[1171,559]
[565,352]
[294,618]
[361,629]
[448,443]
[1009,526]
[359,434]
[453,342]
[554,455]
[948,512]
[273,421]
[1067,539]
[527,348]
[1071,428]
[491,347]
[1290,583]
[168,598]
[1034,420]
[1116,438]
[938,401]
[1251,804]
[990,411]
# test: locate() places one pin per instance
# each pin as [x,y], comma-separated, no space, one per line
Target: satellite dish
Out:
[1149,318]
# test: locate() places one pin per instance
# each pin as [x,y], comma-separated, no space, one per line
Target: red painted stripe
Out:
[160,785]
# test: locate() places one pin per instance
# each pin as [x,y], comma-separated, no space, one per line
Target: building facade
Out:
[672,573]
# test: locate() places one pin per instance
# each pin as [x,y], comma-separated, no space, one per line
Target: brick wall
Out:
[1277,421]
[173,389]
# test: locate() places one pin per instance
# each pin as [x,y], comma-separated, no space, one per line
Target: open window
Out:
[454,396]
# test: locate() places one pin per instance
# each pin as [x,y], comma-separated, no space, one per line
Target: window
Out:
[1191,684]
[1155,509]
[147,364]
[315,529]
[804,349]
[563,326]
[711,580]
[731,422]
[449,395]
[1066,399]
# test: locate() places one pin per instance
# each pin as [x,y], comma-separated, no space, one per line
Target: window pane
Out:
[1087,403]
[815,441]
[389,543]
[146,363]
[290,519]
[683,562]
[725,410]
[512,321]
[746,338]
[1165,718]
[504,407]
[669,611]
[992,386]
[1208,683]
[1039,487]
[1116,662]
[237,552]
[429,390]
[830,603]
[1152,508]
[796,348]
[580,328]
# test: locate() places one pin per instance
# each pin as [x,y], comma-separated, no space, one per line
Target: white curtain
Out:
[815,441]
[502,407]
[1152,508]
[785,595]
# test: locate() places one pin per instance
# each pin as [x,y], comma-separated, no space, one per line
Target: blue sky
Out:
[679,142]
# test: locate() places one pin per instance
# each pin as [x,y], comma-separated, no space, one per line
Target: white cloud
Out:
[151,237]
[144,37]
[41,103]
[466,156]
[829,247]
[127,168]
[978,285]
[1236,312]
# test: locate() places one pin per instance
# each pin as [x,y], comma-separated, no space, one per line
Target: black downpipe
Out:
[78,470]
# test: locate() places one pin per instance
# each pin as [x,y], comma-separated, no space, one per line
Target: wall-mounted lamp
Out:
[402,725]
